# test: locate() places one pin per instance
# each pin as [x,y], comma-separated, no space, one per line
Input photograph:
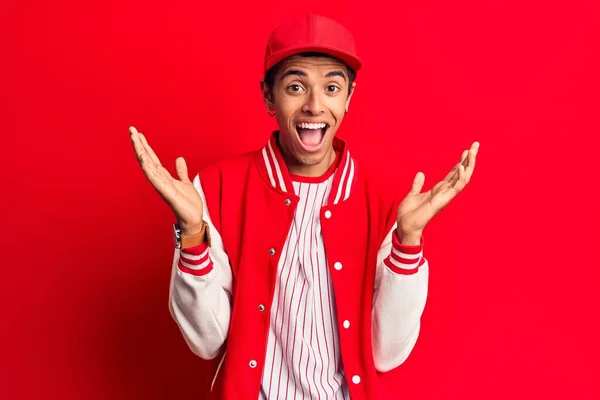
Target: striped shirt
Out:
[303,357]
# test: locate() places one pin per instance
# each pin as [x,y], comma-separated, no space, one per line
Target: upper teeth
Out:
[304,125]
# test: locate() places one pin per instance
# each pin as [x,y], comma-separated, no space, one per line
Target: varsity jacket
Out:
[220,296]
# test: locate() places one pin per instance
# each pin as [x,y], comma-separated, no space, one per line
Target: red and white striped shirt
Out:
[303,358]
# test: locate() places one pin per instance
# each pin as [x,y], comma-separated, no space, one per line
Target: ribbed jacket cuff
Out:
[405,259]
[195,260]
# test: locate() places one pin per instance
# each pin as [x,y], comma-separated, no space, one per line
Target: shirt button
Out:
[337,265]
[327,214]
[347,325]
[261,307]
[272,251]
[287,202]
[253,365]
[356,379]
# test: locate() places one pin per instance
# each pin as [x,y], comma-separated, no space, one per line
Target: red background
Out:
[86,242]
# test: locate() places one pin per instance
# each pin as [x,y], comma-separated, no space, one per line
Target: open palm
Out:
[180,194]
[417,208]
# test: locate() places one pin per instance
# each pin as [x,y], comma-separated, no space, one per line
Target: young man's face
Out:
[309,97]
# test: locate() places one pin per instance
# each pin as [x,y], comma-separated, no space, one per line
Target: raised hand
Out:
[417,208]
[180,194]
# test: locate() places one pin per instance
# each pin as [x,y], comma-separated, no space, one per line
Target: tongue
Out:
[311,137]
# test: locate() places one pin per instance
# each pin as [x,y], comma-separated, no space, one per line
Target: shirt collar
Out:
[277,174]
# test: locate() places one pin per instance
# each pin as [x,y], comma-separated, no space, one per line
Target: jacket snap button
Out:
[272,251]
[327,214]
[347,325]
[337,265]
[253,365]
[356,379]
[287,202]
[261,307]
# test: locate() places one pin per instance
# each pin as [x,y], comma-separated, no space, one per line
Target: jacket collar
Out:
[276,173]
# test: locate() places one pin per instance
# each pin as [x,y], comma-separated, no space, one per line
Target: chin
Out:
[309,159]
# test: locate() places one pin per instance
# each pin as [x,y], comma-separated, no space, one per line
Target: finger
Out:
[417,184]
[471,167]
[468,161]
[464,162]
[464,154]
[460,183]
[137,144]
[448,177]
[442,197]
[149,150]
[182,171]
[464,158]
[473,149]
[157,175]
[152,171]
[451,177]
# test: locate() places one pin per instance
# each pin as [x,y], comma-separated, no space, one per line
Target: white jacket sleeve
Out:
[200,292]
[399,300]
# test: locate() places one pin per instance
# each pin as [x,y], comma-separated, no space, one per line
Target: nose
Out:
[313,104]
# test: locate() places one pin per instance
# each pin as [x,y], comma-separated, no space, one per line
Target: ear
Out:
[350,95]
[266,93]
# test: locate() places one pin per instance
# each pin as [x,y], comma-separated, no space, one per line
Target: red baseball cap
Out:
[311,33]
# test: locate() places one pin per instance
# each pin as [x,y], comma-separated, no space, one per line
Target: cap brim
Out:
[352,61]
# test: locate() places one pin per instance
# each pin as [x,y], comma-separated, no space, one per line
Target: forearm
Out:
[399,301]
[198,302]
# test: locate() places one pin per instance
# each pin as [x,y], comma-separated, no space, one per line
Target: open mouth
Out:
[311,135]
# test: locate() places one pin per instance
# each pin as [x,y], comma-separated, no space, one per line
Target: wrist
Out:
[188,230]
[409,238]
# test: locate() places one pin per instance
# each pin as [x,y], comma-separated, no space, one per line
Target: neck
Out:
[312,171]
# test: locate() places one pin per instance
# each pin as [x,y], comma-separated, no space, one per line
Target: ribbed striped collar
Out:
[273,166]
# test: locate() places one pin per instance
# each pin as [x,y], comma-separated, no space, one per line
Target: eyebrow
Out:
[336,73]
[297,72]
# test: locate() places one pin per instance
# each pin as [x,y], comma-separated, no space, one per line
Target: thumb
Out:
[182,171]
[417,184]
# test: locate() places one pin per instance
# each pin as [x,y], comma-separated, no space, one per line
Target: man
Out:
[294,264]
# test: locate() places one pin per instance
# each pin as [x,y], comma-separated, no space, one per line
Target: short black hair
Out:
[272,73]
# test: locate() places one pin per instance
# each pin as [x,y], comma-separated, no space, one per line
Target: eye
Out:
[333,88]
[295,88]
